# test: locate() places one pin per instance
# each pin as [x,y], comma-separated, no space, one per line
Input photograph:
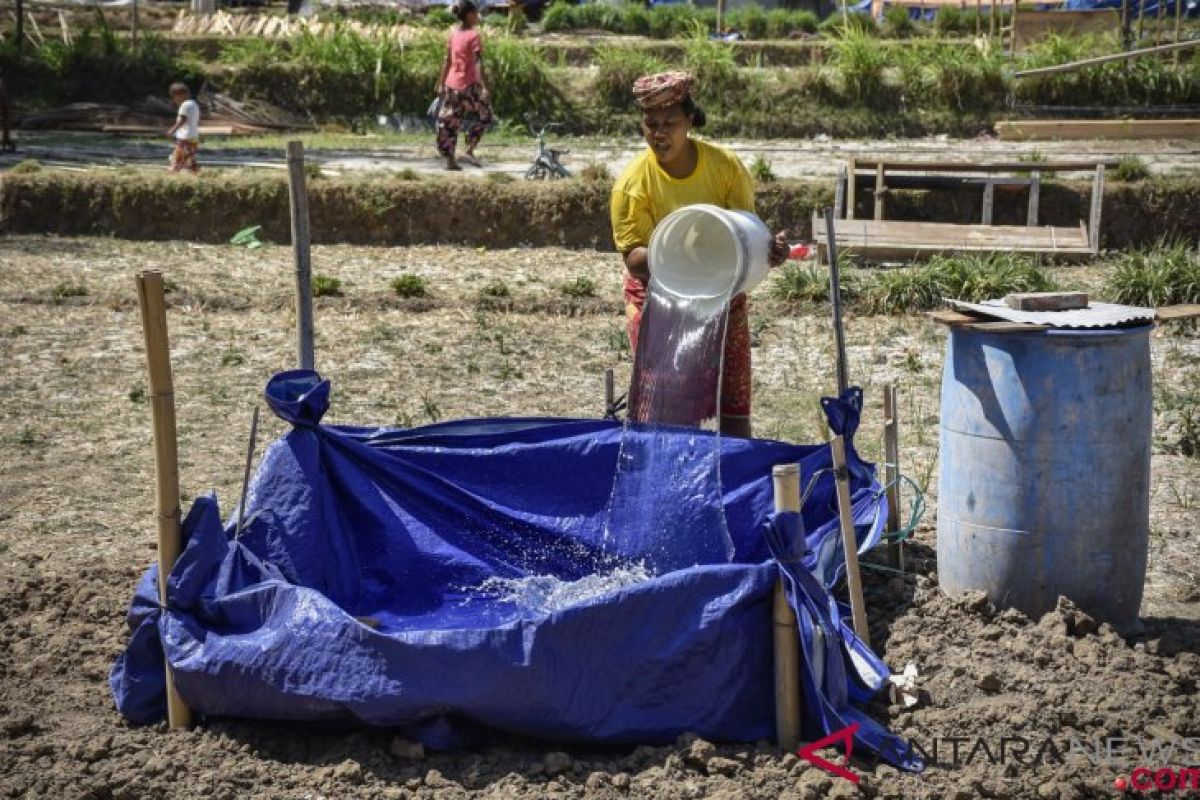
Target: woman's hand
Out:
[780,249]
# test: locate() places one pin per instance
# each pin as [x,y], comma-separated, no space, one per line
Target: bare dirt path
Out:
[810,158]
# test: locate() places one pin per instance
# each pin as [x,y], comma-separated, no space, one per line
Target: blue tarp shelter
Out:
[399,529]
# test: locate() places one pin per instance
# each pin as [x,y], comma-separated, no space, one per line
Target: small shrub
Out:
[408,174]
[897,23]
[1166,274]
[860,62]
[312,171]
[409,285]
[26,166]
[801,283]
[326,286]
[596,171]
[137,394]
[579,288]
[557,18]
[500,177]
[616,70]
[233,358]
[1130,168]
[67,289]
[495,290]
[855,23]
[761,170]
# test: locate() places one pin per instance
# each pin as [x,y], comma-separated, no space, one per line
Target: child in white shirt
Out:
[186,129]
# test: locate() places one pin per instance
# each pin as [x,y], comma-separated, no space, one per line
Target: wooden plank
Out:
[879,190]
[1046,301]
[950,317]
[1169,313]
[1097,208]
[1035,195]
[1118,129]
[852,170]
[1091,62]
[989,194]
[870,164]
[957,319]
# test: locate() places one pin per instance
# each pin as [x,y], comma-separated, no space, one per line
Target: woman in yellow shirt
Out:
[675,171]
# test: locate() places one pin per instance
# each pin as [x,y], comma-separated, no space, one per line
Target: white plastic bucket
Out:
[707,252]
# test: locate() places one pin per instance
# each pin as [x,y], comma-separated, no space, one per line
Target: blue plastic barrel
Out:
[1045,469]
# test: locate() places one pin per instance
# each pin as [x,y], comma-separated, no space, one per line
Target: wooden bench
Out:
[886,240]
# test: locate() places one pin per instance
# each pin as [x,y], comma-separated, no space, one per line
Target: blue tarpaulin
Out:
[353,592]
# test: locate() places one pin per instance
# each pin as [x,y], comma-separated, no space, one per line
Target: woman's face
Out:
[472,19]
[666,131]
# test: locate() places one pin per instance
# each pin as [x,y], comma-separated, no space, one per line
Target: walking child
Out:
[186,130]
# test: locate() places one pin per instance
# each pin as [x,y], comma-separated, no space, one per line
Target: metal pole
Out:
[835,296]
[298,195]
[241,522]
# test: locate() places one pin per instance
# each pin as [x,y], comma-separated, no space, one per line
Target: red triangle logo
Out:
[846,734]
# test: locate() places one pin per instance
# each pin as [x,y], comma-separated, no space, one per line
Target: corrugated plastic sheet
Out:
[1096,315]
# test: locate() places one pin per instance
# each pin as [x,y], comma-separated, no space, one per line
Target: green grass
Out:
[761,170]
[1129,169]
[326,286]
[26,166]
[67,289]
[1160,276]
[409,285]
[495,290]
[965,277]
[580,288]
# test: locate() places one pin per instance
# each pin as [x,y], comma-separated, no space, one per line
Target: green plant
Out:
[409,285]
[312,171]
[232,357]
[761,170]
[1166,274]
[500,177]
[1130,168]
[897,24]
[557,18]
[407,174]
[579,288]
[26,166]
[137,394]
[798,282]
[860,64]
[616,70]
[962,277]
[495,290]
[326,286]
[65,289]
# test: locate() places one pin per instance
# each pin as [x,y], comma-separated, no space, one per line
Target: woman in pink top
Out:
[466,101]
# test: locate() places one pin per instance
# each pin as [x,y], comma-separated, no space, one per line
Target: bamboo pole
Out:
[978,18]
[849,542]
[134,23]
[298,197]
[835,296]
[1012,22]
[785,627]
[1158,23]
[891,472]
[1088,62]
[152,302]
[992,20]
[1141,25]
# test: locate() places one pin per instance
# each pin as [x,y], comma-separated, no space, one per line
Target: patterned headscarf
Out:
[662,90]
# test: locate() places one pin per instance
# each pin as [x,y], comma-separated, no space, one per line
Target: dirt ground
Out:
[76,528]
[811,158]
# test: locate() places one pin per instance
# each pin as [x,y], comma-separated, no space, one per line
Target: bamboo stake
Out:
[1012,42]
[849,542]
[152,302]
[1158,23]
[835,296]
[298,195]
[978,18]
[891,472]
[785,627]
[992,19]
[1141,20]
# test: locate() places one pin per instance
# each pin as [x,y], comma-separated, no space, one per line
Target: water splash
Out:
[545,594]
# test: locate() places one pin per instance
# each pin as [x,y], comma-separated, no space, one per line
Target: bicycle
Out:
[546,165]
